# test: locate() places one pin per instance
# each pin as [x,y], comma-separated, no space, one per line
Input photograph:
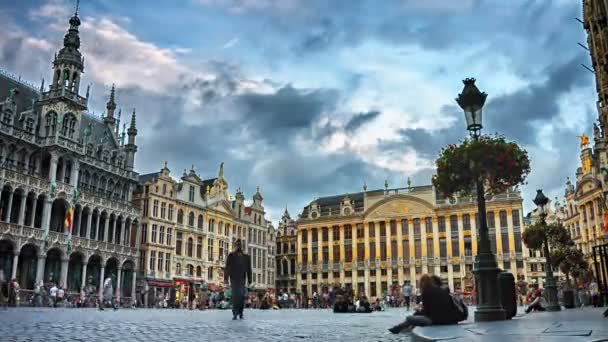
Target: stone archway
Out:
[18,196]
[75,272]
[6,201]
[58,213]
[52,267]
[27,266]
[127,279]
[40,200]
[94,270]
[111,270]
[7,253]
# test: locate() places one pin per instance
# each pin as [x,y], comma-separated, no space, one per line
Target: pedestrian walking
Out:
[38,293]
[53,295]
[108,294]
[407,294]
[238,269]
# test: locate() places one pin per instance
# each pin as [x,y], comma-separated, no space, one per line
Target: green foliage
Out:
[500,163]
[534,236]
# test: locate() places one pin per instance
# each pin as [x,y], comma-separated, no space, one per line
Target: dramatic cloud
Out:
[314,98]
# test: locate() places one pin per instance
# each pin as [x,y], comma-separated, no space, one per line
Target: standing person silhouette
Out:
[238,267]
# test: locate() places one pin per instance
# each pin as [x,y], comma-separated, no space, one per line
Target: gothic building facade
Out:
[56,158]
[286,254]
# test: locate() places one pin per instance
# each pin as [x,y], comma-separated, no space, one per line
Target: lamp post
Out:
[550,289]
[489,307]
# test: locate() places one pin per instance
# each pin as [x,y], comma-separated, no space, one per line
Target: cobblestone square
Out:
[150,325]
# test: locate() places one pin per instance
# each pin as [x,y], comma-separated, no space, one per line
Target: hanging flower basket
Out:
[500,163]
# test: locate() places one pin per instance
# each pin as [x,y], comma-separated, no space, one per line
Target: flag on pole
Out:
[605,213]
[68,219]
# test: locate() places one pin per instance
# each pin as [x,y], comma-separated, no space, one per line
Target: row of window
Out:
[166,212]
[417,226]
[519,264]
[443,250]
[157,235]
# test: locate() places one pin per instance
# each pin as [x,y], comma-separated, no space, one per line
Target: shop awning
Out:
[160,284]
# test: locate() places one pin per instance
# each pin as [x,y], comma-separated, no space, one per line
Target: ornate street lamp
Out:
[489,307]
[550,289]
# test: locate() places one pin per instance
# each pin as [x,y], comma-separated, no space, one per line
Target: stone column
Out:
[15,263]
[10,206]
[33,217]
[101,279]
[21,219]
[106,229]
[377,257]
[342,254]
[436,253]
[122,233]
[74,173]
[354,259]
[118,284]
[79,225]
[62,171]
[83,281]
[40,267]
[53,168]
[89,222]
[366,258]
[46,215]
[133,284]
[64,272]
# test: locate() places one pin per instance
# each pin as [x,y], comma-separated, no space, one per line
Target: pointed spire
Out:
[42,86]
[364,186]
[88,92]
[221,172]
[133,120]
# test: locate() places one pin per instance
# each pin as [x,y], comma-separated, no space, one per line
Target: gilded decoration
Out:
[399,208]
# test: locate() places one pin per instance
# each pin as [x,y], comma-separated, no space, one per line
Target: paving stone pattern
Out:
[151,325]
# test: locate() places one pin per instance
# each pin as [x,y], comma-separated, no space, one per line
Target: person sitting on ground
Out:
[364,305]
[534,298]
[437,307]
[341,306]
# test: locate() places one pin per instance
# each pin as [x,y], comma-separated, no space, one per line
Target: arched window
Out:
[200,222]
[210,274]
[199,247]
[190,247]
[180,216]
[199,272]
[51,123]
[178,269]
[190,270]
[211,225]
[191,219]
[284,267]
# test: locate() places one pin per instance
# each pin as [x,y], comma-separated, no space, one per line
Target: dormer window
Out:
[191,193]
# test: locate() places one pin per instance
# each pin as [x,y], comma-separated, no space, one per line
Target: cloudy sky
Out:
[307,98]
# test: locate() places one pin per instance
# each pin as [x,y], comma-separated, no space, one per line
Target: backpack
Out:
[461,311]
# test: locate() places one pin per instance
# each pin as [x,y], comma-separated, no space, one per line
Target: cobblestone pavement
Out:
[150,325]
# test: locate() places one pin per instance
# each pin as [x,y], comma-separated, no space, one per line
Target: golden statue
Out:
[584,140]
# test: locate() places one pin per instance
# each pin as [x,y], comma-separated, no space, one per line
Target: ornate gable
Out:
[401,206]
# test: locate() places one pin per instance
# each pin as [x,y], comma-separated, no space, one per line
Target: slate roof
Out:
[333,202]
[23,99]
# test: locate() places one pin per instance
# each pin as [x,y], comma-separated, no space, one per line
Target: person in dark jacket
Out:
[437,307]
[238,269]
[341,305]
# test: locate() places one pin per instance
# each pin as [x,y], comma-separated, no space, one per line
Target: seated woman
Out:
[534,298]
[341,306]
[364,305]
[437,307]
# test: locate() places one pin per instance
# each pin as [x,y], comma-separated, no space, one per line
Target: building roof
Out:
[333,202]
[24,98]
[148,177]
